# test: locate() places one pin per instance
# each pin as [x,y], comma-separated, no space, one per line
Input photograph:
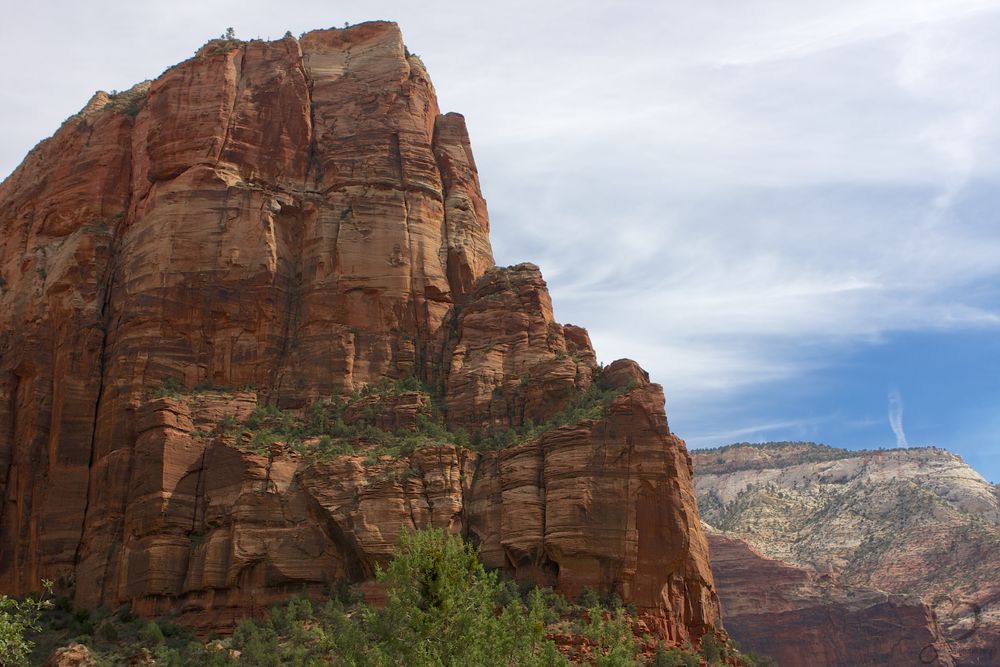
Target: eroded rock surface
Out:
[74,655]
[505,358]
[216,531]
[802,618]
[916,521]
[296,218]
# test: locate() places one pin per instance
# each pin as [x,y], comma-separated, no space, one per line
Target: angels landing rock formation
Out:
[298,220]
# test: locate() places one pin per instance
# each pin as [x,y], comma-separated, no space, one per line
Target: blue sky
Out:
[784,210]
[946,381]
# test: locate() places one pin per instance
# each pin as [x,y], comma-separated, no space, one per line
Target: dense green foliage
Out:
[612,637]
[321,431]
[17,619]
[442,609]
[591,404]
[113,637]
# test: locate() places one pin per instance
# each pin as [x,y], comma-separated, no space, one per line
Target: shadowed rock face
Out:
[801,618]
[913,521]
[298,218]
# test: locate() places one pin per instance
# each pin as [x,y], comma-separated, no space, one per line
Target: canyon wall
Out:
[296,220]
[915,521]
[800,617]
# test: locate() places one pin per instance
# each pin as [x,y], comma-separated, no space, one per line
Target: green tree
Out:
[150,635]
[712,649]
[17,619]
[441,609]
[613,638]
[674,657]
[257,643]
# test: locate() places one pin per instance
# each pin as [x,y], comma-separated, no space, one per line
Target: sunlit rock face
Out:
[297,220]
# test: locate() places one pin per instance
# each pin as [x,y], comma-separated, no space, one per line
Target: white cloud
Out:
[896,417]
[732,193]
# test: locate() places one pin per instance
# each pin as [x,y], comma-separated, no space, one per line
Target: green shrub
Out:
[613,639]
[18,618]
[712,649]
[588,598]
[107,631]
[150,635]
[441,609]
[171,387]
[674,657]
[591,404]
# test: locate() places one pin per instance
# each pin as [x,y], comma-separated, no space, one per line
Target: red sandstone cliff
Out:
[799,617]
[298,218]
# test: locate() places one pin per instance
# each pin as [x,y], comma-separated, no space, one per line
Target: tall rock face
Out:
[913,521]
[601,504]
[802,618]
[297,218]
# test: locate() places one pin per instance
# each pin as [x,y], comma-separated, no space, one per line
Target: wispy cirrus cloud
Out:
[734,194]
[896,418]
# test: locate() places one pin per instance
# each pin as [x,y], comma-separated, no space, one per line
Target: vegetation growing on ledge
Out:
[591,404]
[128,102]
[773,455]
[442,608]
[323,430]
[777,445]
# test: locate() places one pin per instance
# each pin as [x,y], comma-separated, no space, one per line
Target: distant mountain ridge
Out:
[778,454]
[917,521]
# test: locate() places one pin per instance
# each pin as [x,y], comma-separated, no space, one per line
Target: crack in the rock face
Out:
[466,483]
[199,491]
[542,555]
[106,290]
[312,162]
[237,85]
[292,228]
[427,500]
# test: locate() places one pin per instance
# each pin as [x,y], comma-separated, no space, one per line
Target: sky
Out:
[787,211]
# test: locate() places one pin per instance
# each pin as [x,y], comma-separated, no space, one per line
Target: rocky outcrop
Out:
[217,532]
[506,360]
[390,413]
[601,504]
[799,617]
[275,214]
[295,220]
[915,521]
[74,655]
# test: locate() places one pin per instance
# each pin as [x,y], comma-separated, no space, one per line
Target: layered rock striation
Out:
[917,521]
[800,617]
[297,220]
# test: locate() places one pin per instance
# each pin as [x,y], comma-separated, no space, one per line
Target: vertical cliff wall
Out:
[802,618]
[299,219]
